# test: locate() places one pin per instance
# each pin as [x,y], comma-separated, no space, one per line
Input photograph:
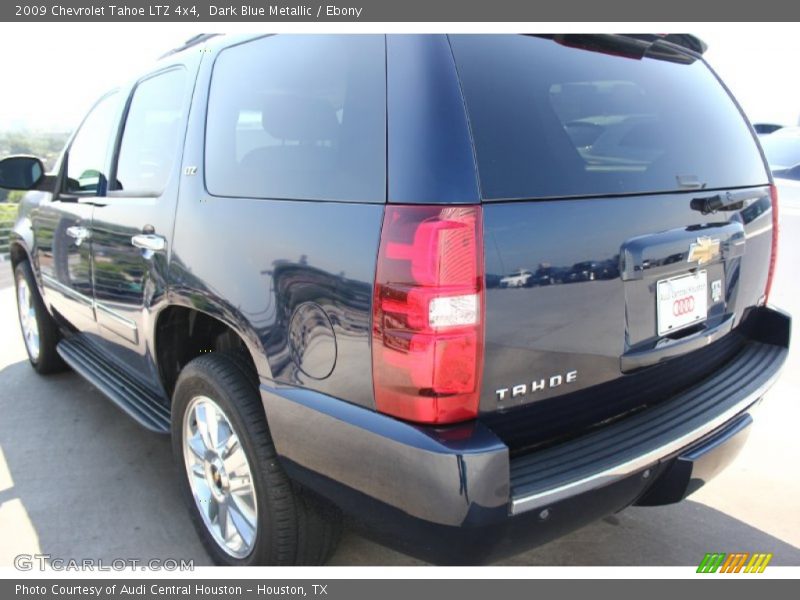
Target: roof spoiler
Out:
[635,46]
[684,40]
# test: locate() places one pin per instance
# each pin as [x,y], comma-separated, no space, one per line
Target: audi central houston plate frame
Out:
[681,301]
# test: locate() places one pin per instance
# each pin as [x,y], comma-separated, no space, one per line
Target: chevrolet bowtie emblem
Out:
[704,250]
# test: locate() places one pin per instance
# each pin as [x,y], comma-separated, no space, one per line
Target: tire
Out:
[275,522]
[39,330]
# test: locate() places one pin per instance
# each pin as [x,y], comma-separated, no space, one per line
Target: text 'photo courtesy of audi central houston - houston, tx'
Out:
[469,292]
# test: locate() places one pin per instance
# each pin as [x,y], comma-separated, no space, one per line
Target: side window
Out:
[299,117]
[90,149]
[152,131]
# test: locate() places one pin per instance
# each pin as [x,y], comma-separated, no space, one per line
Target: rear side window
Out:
[152,134]
[299,117]
[556,118]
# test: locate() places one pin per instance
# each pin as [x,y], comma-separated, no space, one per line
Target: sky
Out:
[52,73]
[759,66]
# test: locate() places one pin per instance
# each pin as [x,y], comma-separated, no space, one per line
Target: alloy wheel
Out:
[220,477]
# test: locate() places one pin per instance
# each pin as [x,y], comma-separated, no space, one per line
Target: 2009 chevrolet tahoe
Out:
[471,291]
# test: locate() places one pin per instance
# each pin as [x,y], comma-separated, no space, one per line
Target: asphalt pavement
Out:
[79,479]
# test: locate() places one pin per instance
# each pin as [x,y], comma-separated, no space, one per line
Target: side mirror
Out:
[21,172]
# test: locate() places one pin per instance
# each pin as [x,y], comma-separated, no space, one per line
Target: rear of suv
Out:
[472,292]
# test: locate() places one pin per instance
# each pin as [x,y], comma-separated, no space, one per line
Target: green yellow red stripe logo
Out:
[736,562]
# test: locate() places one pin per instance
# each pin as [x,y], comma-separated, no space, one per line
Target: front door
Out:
[62,223]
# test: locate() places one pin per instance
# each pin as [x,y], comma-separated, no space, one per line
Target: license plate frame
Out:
[681,302]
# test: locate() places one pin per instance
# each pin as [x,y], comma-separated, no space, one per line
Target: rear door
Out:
[132,227]
[62,223]
[625,172]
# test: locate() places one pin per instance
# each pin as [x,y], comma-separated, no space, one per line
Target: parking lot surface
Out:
[79,479]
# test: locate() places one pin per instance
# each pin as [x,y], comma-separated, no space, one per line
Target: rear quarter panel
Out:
[282,273]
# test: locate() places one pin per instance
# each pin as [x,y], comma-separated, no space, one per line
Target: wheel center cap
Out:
[217,477]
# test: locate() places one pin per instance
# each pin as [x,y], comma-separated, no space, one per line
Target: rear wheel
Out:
[39,330]
[244,507]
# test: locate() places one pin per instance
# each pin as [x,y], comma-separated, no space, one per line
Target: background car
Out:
[782,150]
[766,128]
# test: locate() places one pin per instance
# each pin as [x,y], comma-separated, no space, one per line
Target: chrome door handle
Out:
[78,233]
[149,243]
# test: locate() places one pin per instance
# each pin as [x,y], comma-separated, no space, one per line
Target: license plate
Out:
[681,301]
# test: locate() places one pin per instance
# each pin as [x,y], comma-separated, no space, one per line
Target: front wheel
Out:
[243,505]
[39,330]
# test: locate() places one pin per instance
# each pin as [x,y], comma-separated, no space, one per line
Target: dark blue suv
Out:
[471,292]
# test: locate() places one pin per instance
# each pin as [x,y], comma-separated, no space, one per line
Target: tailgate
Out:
[596,316]
[627,225]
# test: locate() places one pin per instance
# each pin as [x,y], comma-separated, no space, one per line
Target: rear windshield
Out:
[555,118]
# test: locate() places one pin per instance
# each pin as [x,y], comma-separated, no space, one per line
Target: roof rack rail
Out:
[192,41]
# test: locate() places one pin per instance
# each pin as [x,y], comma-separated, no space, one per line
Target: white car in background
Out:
[782,150]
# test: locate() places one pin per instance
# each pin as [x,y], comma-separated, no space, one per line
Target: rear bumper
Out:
[454,495]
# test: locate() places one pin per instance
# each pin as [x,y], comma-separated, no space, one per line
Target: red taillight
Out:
[773,191]
[427,315]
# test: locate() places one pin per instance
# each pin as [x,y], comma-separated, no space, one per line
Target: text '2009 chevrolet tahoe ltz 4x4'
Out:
[471,291]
